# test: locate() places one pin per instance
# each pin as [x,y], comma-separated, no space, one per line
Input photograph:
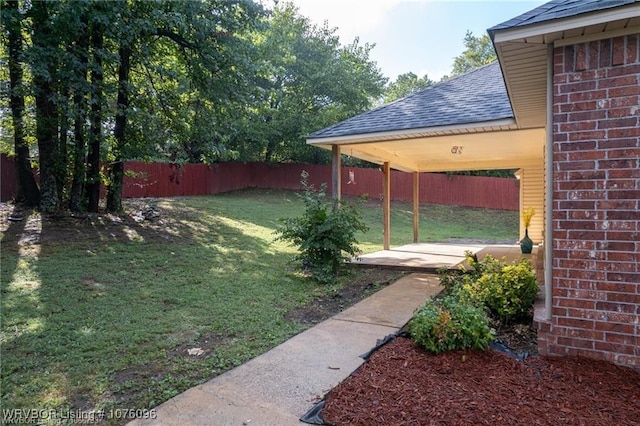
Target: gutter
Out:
[548,194]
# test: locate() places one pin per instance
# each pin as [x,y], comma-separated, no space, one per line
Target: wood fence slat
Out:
[166,180]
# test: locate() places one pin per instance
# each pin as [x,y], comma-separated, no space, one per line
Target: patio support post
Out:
[336,190]
[548,193]
[416,207]
[386,205]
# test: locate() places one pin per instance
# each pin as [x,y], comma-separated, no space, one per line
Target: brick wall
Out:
[596,193]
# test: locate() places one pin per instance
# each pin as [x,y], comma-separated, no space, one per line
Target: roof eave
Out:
[557,26]
[485,126]
[527,90]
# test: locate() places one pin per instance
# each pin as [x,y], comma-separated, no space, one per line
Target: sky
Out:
[419,36]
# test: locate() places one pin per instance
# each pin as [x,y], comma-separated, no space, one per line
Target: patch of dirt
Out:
[133,375]
[199,348]
[402,384]
[138,373]
[356,287]
[520,338]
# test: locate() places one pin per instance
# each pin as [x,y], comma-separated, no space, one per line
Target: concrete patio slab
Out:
[278,387]
[508,252]
[428,257]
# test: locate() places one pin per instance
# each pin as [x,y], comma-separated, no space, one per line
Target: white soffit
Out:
[522,52]
[500,149]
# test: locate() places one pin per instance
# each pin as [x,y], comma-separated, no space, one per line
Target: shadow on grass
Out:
[104,313]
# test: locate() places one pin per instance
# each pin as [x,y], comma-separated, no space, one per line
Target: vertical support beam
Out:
[548,193]
[336,180]
[416,207]
[386,206]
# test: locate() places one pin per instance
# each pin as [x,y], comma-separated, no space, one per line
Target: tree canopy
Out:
[406,84]
[478,51]
[92,84]
[306,80]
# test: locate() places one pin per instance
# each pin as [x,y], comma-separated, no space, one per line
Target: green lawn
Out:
[100,314]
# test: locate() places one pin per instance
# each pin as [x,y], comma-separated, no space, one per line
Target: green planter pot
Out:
[526,245]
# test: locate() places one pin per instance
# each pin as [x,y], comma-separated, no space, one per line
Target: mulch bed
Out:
[401,384]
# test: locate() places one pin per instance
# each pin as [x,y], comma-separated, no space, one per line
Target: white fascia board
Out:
[560,24]
[597,36]
[411,133]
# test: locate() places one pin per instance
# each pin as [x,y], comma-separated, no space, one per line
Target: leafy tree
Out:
[505,173]
[193,84]
[478,51]
[405,85]
[306,80]
[44,55]
[80,51]
[111,80]
[97,26]
[27,189]
[205,80]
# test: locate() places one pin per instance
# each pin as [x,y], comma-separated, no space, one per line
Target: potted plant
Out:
[526,245]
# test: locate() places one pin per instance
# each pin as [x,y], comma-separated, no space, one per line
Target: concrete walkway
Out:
[280,386]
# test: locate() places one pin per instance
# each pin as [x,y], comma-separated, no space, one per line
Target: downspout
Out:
[548,194]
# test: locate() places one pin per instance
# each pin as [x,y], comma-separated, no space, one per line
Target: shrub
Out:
[508,291]
[449,324]
[325,233]
[454,280]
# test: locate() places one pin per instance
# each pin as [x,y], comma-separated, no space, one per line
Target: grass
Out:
[438,223]
[101,316]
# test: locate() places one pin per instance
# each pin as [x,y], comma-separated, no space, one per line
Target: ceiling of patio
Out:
[472,150]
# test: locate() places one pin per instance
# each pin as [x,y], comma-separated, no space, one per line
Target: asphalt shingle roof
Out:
[480,95]
[558,9]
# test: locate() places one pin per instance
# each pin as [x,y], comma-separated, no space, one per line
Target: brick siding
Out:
[596,202]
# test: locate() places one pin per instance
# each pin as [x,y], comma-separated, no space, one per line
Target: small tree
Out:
[325,234]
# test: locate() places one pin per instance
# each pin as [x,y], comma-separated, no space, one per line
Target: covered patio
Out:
[466,123]
[559,106]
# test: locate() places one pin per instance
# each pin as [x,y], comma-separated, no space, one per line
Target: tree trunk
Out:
[95,134]
[80,105]
[46,114]
[116,171]
[27,189]
[62,158]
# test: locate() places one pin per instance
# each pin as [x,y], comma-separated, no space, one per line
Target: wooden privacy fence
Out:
[168,180]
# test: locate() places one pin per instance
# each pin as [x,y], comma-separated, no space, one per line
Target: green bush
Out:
[325,234]
[449,324]
[454,280]
[508,291]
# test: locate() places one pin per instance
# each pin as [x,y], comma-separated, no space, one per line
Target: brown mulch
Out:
[402,384]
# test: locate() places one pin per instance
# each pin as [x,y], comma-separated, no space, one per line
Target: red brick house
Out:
[571,74]
[590,50]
